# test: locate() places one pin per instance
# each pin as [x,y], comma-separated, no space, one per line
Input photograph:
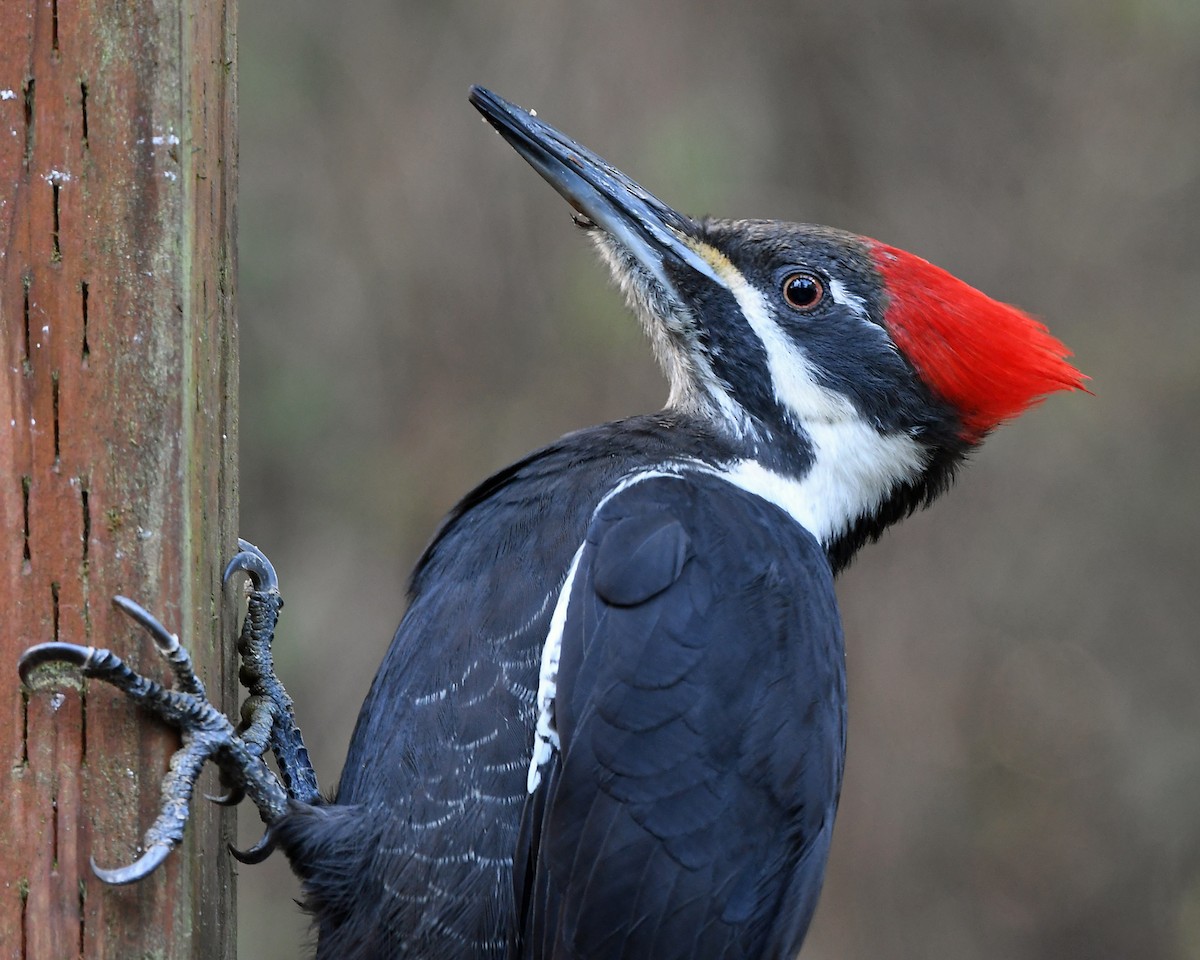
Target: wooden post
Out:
[118,423]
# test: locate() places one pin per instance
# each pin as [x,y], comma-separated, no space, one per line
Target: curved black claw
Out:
[53,652]
[164,639]
[168,646]
[269,720]
[142,867]
[257,853]
[230,799]
[254,562]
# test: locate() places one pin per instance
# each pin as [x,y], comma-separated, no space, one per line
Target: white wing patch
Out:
[545,737]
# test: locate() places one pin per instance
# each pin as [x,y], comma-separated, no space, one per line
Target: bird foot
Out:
[267,719]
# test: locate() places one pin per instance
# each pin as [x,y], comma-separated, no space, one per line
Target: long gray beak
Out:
[649,229]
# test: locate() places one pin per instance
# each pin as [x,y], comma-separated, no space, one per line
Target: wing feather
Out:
[700,710]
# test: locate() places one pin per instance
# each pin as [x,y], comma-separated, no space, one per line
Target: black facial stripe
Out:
[849,353]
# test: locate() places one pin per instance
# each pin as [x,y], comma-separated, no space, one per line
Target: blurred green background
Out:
[416,311]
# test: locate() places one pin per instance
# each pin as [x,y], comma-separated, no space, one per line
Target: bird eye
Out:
[802,290]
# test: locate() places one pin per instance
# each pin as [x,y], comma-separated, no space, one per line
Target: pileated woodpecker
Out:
[612,722]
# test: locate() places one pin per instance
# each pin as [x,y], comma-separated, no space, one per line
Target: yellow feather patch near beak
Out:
[721,265]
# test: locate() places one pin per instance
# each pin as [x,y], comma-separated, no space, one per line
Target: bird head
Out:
[851,376]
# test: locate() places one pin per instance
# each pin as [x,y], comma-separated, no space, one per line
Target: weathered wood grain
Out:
[118,433]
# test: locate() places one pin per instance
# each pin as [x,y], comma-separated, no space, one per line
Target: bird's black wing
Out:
[700,715]
[415,856]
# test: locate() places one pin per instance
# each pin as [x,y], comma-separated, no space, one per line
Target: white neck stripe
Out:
[855,466]
[795,385]
[854,469]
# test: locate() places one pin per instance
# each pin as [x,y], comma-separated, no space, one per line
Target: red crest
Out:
[991,361]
